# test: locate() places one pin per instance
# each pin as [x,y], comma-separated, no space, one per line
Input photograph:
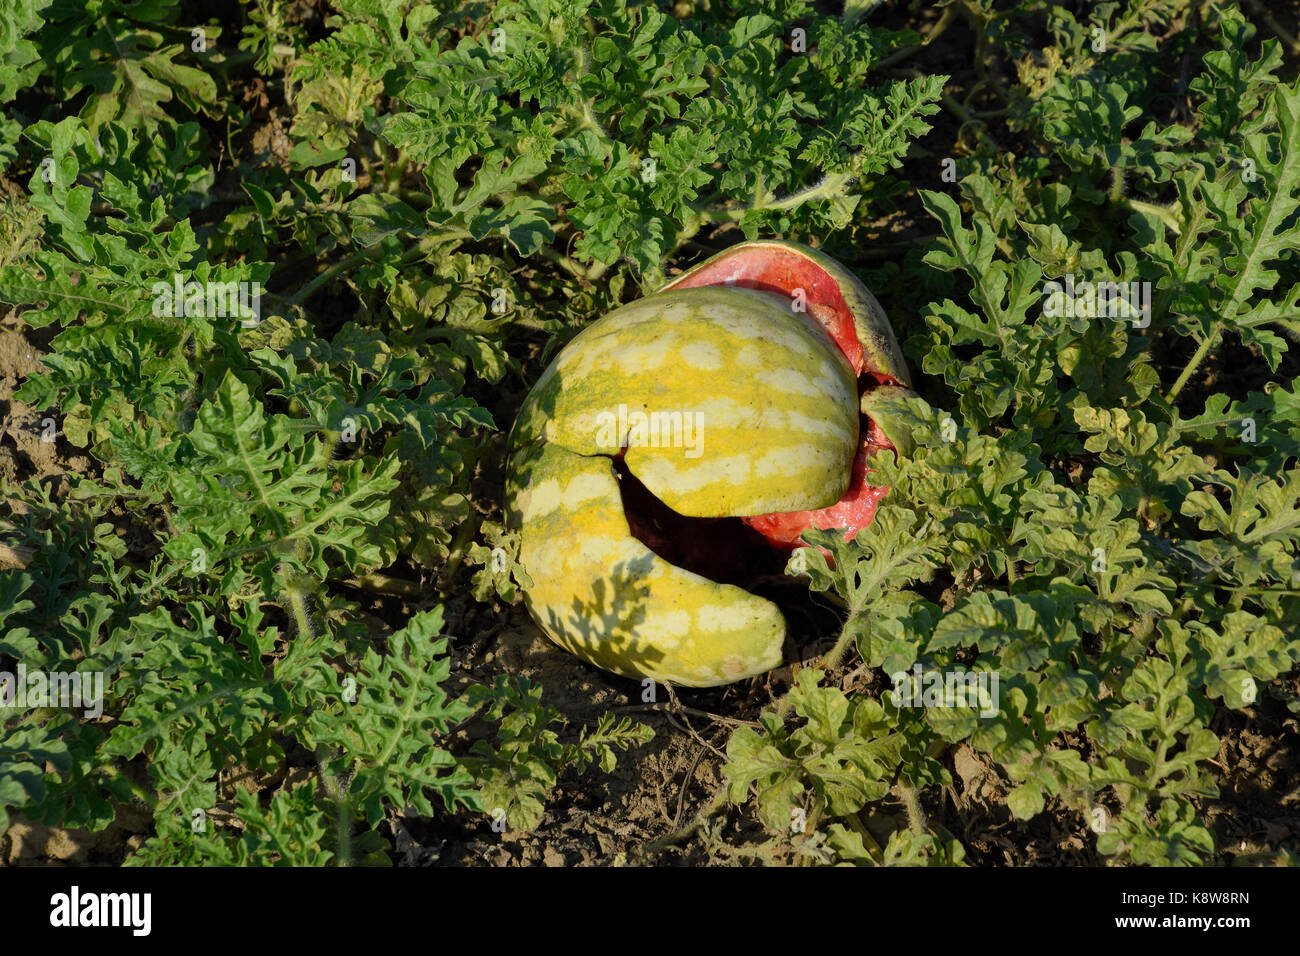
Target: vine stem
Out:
[570,265]
[422,247]
[1197,358]
[586,117]
[915,815]
[342,812]
[667,709]
[383,584]
[949,14]
[342,265]
[1282,33]
[868,841]
[1160,212]
[828,186]
[297,600]
[832,657]
[714,805]
[1116,192]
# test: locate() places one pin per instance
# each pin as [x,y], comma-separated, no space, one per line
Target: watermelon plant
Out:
[278,279]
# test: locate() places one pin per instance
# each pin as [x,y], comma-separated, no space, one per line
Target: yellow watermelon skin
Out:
[775,400]
[602,595]
[776,407]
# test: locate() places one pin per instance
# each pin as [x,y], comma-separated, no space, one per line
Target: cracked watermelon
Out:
[742,389]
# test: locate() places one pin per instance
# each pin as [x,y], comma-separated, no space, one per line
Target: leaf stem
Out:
[1197,358]
[915,815]
[419,249]
[1160,212]
[868,841]
[829,185]
[949,14]
[342,812]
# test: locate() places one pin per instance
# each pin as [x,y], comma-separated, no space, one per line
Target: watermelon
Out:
[742,390]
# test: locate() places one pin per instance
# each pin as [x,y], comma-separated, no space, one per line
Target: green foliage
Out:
[291,273]
[518,768]
[254,457]
[1123,564]
[133,56]
[842,755]
[639,129]
[500,573]
[384,744]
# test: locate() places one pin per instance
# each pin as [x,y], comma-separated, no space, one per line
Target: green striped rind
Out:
[604,596]
[757,405]
[882,353]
